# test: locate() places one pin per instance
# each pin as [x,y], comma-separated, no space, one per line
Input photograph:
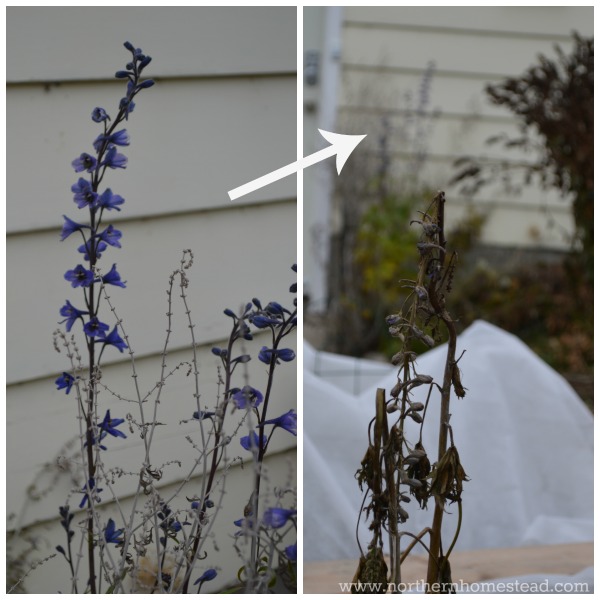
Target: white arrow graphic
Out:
[341,145]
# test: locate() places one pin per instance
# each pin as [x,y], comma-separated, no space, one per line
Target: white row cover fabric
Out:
[524,437]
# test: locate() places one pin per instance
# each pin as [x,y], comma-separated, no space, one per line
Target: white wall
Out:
[384,52]
[222,112]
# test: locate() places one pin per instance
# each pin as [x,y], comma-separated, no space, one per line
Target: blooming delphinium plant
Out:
[96,237]
[158,546]
[265,533]
[396,469]
[259,525]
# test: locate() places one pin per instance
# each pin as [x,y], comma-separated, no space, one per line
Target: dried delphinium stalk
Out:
[396,468]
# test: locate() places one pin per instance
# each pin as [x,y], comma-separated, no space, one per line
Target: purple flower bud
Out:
[99,115]
[206,576]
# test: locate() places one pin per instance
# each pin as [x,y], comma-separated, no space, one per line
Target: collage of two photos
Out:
[309,305]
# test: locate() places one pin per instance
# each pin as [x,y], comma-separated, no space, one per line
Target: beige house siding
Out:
[383,53]
[222,112]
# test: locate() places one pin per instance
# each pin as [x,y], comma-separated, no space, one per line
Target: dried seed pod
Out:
[396,390]
[423,378]
[400,357]
[402,514]
[417,406]
[416,417]
[391,408]
[411,460]
[426,339]
[396,332]
[404,498]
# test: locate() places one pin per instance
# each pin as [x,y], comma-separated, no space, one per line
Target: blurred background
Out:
[222,112]
[494,105]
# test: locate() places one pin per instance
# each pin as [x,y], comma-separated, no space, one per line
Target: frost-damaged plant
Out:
[394,467]
[554,104]
[157,545]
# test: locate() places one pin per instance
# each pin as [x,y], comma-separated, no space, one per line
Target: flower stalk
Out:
[395,469]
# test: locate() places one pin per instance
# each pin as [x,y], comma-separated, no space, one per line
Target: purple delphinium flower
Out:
[262,321]
[288,421]
[247,397]
[128,105]
[274,308]
[79,276]
[291,552]
[113,159]
[100,247]
[97,441]
[113,339]
[284,354]
[112,535]
[65,381]
[109,200]
[251,441]
[70,227]
[118,138]
[111,236]
[113,277]
[245,523]
[110,426]
[99,115]
[94,327]
[208,575]
[84,195]
[71,313]
[91,485]
[85,162]
[277,517]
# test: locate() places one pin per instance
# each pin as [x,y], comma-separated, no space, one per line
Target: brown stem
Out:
[437,302]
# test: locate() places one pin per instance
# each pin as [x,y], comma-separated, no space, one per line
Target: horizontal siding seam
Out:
[443,158]
[124,360]
[161,216]
[461,31]
[495,203]
[157,78]
[437,114]
[448,73]
[44,520]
